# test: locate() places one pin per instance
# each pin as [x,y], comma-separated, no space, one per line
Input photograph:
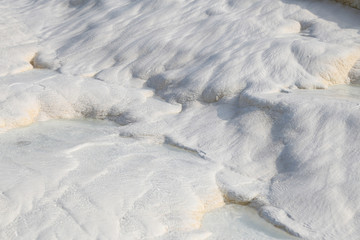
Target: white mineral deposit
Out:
[179,119]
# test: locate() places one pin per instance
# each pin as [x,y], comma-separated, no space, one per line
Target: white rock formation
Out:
[208,101]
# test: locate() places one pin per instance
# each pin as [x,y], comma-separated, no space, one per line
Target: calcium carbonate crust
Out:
[238,87]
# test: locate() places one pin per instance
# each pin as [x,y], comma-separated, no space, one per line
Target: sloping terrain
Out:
[190,105]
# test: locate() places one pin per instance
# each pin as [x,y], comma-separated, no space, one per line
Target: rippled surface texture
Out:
[156,119]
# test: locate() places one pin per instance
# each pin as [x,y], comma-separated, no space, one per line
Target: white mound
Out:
[233,85]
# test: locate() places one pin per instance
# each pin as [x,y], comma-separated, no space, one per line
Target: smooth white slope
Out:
[81,180]
[293,156]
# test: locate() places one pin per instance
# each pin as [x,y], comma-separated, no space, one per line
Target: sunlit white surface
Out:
[243,100]
[81,180]
[240,222]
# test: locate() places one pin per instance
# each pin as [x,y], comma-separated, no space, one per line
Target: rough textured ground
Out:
[203,103]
